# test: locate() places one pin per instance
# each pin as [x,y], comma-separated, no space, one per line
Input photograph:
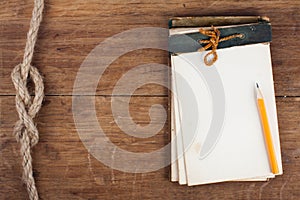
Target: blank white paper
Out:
[240,153]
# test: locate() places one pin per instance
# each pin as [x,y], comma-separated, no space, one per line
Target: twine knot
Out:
[25,130]
[213,42]
[27,107]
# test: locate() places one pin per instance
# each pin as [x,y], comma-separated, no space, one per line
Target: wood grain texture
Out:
[71,29]
[63,167]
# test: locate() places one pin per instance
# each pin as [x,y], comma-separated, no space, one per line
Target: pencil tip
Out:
[257,85]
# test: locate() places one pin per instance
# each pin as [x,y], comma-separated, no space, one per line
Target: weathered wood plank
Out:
[70,30]
[64,169]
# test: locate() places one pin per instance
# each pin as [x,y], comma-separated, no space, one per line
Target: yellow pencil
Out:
[267,131]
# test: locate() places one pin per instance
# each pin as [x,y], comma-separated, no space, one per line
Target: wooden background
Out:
[70,30]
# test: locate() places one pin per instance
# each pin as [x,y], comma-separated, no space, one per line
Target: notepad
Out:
[237,150]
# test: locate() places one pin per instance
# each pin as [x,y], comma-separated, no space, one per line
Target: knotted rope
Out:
[25,130]
[213,43]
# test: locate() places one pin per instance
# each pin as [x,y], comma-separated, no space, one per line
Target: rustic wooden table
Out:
[70,30]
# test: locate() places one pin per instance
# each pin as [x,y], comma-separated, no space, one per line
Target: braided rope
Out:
[27,107]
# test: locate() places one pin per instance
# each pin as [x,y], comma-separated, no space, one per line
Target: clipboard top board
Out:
[185,36]
[207,21]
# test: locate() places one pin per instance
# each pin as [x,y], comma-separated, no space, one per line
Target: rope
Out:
[25,130]
[213,43]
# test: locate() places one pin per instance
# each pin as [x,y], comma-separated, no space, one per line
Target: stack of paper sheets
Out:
[237,150]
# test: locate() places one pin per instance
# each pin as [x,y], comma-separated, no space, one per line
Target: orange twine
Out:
[213,43]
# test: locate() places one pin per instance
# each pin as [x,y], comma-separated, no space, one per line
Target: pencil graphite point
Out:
[257,85]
